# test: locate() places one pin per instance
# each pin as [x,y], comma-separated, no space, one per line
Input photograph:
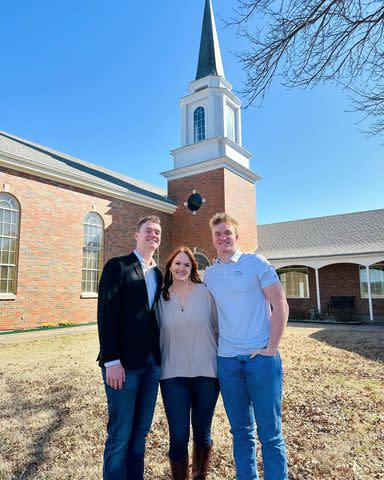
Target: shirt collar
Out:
[235,257]
[144,264]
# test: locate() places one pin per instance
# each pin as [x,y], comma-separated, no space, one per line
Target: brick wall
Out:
[240,201]
[300,307]
[50,249]
[340,279]
[343,279]
[51,241]
[193,230]
[222,191]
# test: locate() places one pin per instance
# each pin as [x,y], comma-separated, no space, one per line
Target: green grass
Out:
[47,326]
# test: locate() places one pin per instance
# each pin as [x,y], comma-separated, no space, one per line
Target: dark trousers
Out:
[130,413]
[185,398]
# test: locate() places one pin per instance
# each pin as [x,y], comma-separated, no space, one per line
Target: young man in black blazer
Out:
[129,351]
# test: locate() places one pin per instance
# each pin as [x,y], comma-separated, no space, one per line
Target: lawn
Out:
[53,410]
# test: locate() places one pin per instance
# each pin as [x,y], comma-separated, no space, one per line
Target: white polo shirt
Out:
[244,312]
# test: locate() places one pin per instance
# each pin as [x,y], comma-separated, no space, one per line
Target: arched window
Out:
[294,281]
[199,124]
[156,256]
[202,263]
[92,252]
[9,243]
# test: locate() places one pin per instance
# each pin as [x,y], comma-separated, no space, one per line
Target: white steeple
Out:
[210,116]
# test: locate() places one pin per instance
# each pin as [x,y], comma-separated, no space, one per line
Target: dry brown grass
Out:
[53,410]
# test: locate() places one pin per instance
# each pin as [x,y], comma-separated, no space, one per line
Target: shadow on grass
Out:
[366,344]
[53,406]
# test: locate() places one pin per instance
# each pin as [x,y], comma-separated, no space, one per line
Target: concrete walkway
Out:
[360,327]
[29,336]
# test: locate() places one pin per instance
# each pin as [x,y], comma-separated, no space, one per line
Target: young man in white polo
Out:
[245,286]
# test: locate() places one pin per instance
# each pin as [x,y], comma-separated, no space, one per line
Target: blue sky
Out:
[102,81]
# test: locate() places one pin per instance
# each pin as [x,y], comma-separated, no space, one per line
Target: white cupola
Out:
[210,115]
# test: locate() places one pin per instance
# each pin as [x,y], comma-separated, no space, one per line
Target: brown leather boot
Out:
[200,461]
[180,470]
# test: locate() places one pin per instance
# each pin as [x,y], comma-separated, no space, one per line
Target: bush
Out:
[298,315]
[48,325]
[344,316]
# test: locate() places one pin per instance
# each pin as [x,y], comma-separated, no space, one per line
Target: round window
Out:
[202,262]
[194,202]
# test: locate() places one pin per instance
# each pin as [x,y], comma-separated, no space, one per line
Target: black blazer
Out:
[128,329]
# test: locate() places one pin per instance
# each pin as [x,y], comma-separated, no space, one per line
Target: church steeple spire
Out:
[211,164]
[210,62]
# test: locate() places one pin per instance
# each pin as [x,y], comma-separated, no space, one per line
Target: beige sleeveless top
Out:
[188,337]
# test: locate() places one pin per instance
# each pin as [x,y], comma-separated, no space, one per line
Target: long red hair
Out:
[195,277]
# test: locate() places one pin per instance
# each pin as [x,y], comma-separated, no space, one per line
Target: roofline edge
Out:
[22,164]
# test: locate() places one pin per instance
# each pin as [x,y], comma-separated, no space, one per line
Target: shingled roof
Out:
[72,165]
[347,234]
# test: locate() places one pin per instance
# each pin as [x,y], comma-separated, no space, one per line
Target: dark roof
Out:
[66,163]
[209,56]
[347,234]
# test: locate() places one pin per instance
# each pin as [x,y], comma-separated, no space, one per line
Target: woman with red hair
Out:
[188,381]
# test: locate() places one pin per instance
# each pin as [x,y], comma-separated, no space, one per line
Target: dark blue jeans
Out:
[130,412]
[185,398]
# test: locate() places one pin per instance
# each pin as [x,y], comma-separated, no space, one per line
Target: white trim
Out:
[319,262]
[212,81]
[209,165]
[7,296]
[58,174]
[223,140]
[369,294]
[201,94]
[318,290]
[89,295]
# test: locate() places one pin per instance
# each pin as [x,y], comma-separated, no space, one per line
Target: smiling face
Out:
[148,237]
[224,239]
[181,267]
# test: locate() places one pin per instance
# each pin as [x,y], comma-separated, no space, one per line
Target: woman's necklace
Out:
[179,302]
[184,297]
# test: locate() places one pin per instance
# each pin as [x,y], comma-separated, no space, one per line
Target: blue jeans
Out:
[183,396]
[252,389]
[130,412]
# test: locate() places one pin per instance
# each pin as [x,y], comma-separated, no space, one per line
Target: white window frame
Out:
[199,254]
[92,221]
[363,272]
[230,120]
[201,125]
[293,269]
[10,204]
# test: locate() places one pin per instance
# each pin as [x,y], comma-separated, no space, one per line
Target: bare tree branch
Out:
[305,42]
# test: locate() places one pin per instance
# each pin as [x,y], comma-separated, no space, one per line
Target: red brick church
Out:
[62,218]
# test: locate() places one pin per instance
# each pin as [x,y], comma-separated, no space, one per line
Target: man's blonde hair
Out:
[223,217]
